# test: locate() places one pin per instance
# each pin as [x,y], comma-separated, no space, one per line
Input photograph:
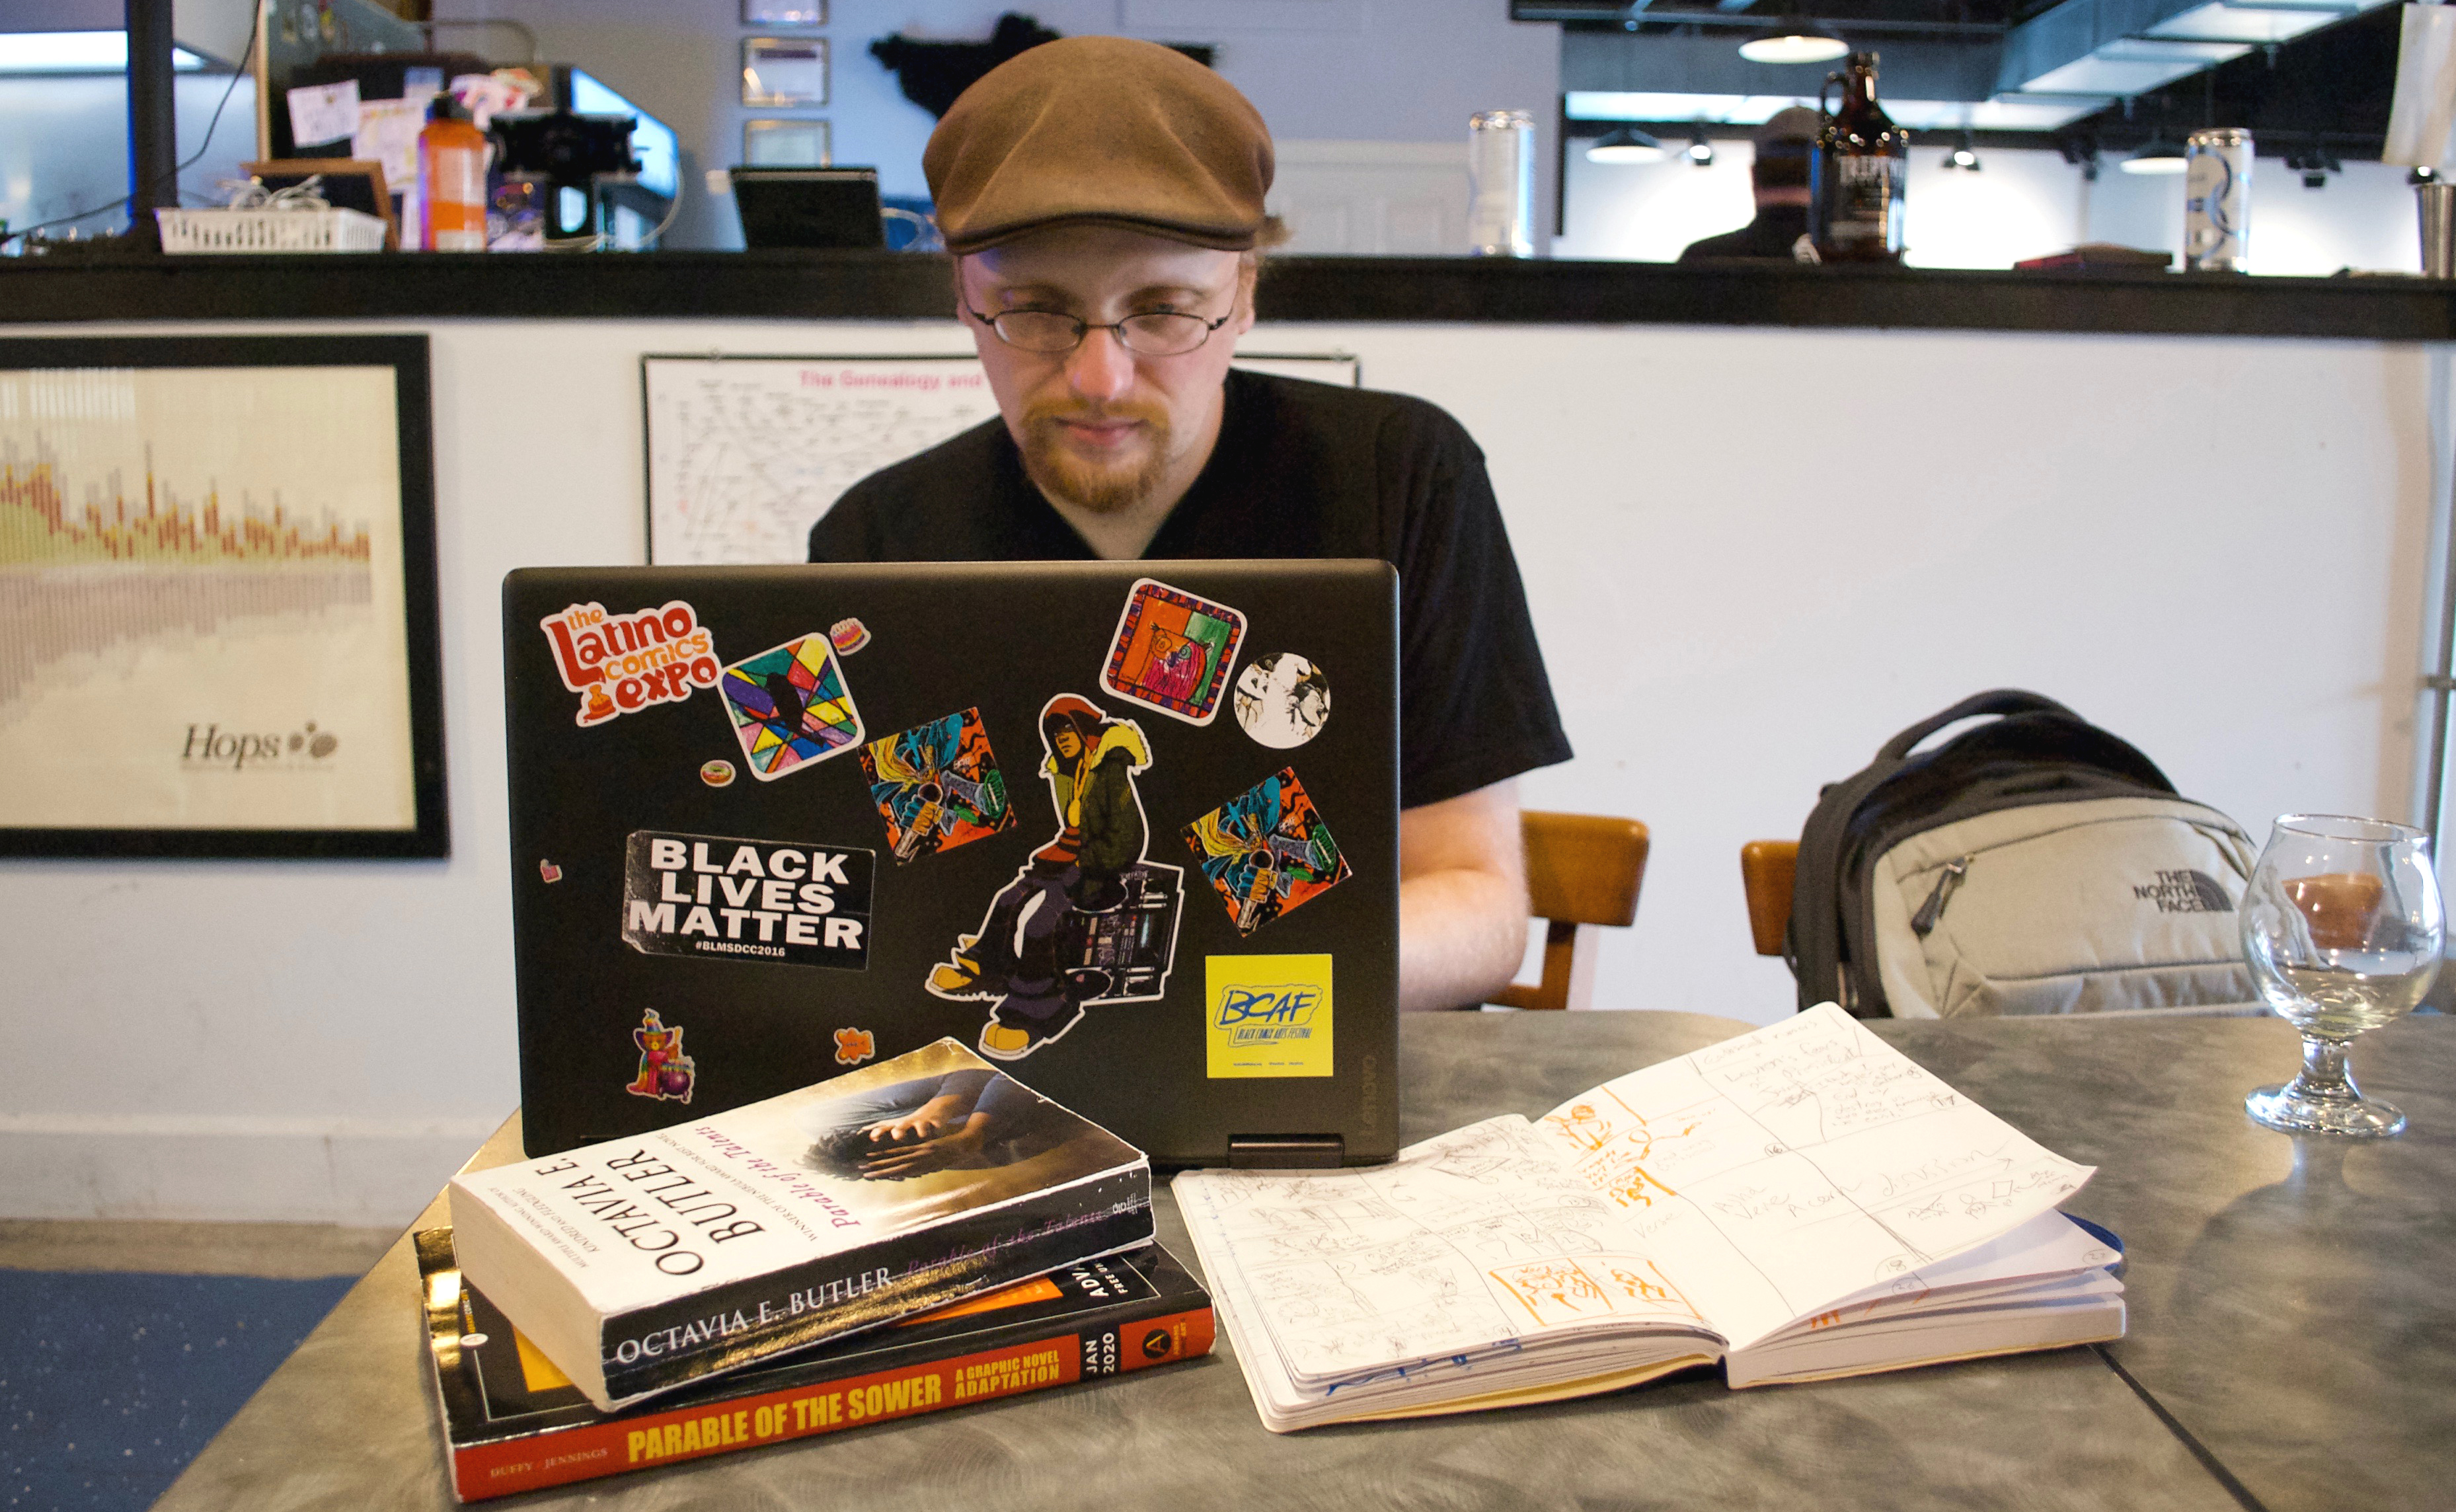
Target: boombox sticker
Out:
[621,663]
[717,897]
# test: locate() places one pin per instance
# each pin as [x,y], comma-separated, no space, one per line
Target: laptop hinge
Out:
[1286,1151]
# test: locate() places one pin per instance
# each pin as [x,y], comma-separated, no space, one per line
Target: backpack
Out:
[2034,864]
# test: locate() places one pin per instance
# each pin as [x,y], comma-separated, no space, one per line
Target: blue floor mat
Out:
[112,1381]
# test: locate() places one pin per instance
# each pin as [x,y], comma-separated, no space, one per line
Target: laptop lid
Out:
[808,207]
[1129,829]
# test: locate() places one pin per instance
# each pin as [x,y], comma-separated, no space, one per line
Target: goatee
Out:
[1102,487]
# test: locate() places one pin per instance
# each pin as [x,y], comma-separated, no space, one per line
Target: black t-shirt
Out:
[1770,236]
[1301,470]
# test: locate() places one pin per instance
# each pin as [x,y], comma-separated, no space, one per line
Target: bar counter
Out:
[893,286]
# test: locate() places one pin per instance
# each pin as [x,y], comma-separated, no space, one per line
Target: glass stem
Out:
[2324,1073]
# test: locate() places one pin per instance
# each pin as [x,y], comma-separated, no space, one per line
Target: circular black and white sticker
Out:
[1283,700]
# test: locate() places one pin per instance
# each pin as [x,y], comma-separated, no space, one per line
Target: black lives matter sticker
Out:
[718,897]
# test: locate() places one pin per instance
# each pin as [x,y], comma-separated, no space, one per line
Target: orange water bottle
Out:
[451,180]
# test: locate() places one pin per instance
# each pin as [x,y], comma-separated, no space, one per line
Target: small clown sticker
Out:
[665,1073]
[853,1046]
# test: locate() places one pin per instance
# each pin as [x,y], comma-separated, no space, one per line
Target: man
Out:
[1104,199]
[1778,179]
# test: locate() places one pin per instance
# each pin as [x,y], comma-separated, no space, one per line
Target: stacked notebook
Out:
[1797,1203]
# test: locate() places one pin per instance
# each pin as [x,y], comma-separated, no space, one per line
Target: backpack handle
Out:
[1995,701]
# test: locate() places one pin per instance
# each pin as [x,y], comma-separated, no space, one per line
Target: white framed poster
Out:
[783,72]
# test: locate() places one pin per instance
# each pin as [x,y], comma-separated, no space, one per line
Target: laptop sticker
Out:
[1267,850]
[790,706]
[621,663]
[937,786]
[716,773]
[549,872]
[1283,700]
[1172,651]
[1267,1015]
[848,635]
[1089,918]
[722,898]
[853,1046]
[665,1073]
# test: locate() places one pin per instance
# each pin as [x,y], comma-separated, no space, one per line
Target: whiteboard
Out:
[746,453]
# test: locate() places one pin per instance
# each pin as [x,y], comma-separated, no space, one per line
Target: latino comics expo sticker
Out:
[1283,700]
[1172,651]
[1267,850]
[719,897]
[790,708]
[621,663]
[665,1073]
[1267,1015]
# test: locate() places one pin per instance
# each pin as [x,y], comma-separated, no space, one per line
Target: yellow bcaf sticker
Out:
[1268,1015]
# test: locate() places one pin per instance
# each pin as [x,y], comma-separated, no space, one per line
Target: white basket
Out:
[329,230]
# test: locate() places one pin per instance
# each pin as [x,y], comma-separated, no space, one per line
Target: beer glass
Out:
[2342,928]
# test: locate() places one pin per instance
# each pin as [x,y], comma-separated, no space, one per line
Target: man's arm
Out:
[1461,898]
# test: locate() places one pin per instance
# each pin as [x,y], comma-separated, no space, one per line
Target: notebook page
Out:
[1471,1242]
[1774,1175]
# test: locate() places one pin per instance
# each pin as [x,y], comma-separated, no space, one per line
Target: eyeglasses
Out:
[1154,333]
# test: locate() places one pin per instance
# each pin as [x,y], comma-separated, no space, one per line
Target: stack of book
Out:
[788,1268]
[1798,1203]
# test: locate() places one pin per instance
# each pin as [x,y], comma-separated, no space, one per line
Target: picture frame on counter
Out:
[784,12]
[783,142]
[784,72]
[218,581]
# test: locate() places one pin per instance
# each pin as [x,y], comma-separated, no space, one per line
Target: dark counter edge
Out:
[887,286]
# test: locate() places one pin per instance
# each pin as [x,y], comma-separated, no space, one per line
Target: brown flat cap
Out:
[1100,129]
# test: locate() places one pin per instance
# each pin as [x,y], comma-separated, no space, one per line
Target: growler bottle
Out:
[1857,175]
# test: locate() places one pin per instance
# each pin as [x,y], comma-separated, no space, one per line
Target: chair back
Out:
[1767,868]
[1581,870]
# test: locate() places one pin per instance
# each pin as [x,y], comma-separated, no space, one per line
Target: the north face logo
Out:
[2185,891]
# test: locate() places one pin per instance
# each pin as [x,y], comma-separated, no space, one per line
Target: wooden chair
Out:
[1582,870]
[1767,868]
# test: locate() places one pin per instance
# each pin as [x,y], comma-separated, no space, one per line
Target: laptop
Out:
[808,207]
[1130,829]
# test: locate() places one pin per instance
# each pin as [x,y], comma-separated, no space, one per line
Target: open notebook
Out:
[1799,1202]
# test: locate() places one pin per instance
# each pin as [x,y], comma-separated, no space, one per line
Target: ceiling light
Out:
[2157,156]
[1701,152]
[76,52]
[1795,41]
[1626,144]
[1963,155]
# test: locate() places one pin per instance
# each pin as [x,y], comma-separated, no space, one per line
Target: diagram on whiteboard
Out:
[744,454]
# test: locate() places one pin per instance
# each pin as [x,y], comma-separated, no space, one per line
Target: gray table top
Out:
[2292,1345]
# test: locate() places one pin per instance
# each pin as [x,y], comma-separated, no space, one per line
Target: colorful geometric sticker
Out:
[937,786]
[790,706]
[1172,651]
[1267,850]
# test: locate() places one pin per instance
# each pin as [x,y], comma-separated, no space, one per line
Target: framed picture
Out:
[218,586]
[783,72]
[784,12]
[768,143]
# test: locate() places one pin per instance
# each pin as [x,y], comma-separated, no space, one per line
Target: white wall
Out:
[2020,204]
[1389,71]
[2214,547]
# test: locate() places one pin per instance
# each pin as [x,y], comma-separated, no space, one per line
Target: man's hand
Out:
[1462,899]
[948,1149]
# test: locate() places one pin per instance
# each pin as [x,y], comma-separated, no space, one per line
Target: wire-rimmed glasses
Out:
[1148,333]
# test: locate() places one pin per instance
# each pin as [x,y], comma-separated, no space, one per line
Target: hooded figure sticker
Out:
[1087,919]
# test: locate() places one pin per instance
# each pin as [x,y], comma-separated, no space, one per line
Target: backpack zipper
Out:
[1932,909]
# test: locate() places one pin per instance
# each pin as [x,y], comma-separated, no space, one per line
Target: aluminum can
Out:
[1501,184]
[2217,201]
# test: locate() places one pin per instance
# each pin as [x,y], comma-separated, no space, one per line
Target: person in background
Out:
[1778,177]
[1103,200]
